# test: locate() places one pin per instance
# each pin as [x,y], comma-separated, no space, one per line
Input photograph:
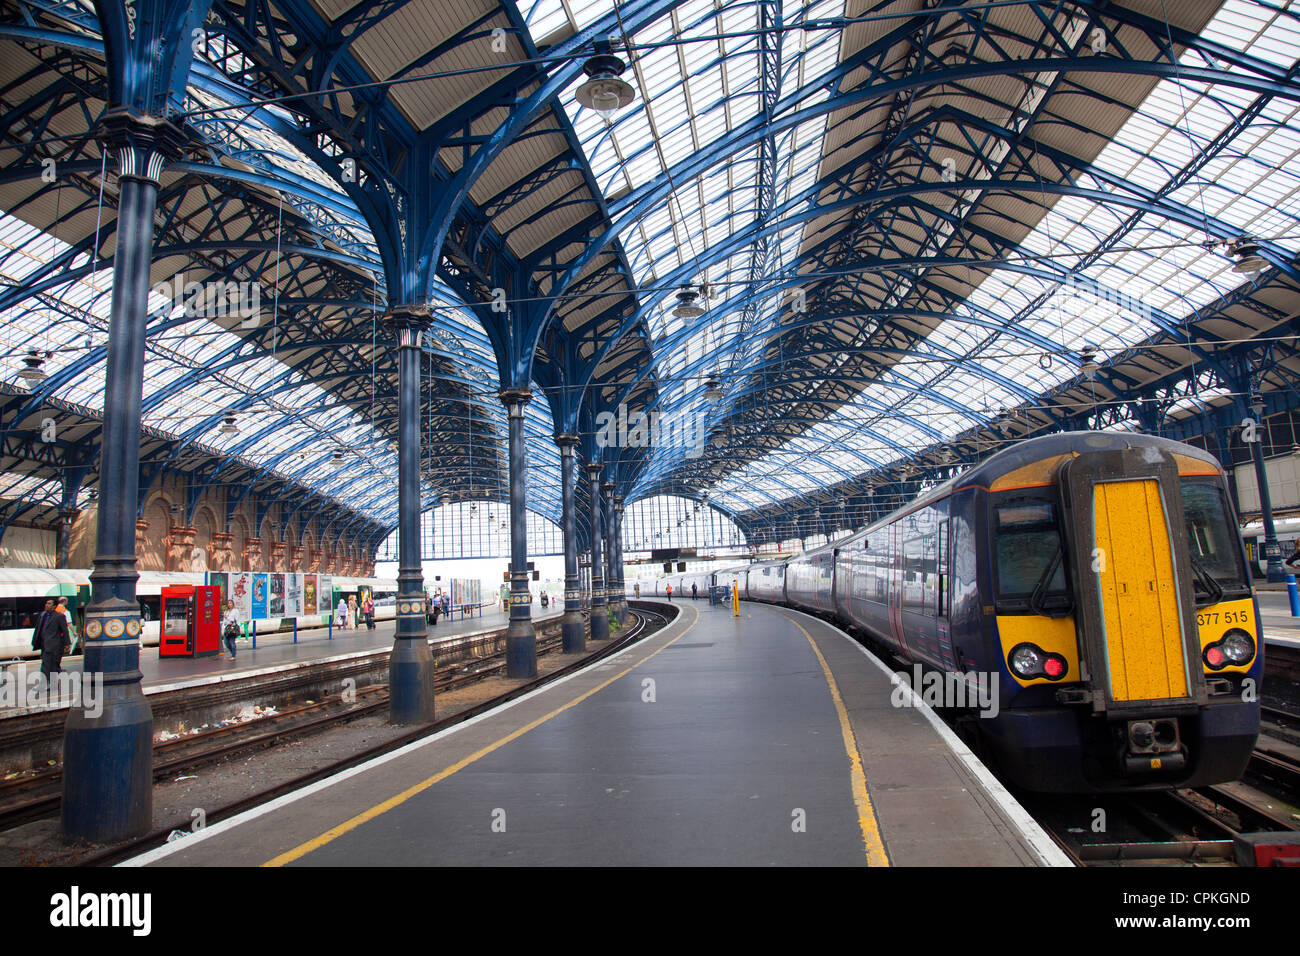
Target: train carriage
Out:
[1095,583]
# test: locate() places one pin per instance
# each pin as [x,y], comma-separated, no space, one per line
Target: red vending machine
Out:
[191,621]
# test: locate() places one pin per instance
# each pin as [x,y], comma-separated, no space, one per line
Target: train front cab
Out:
[1130,651]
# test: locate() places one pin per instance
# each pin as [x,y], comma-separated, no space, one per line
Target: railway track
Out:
[37,794]
[315,718]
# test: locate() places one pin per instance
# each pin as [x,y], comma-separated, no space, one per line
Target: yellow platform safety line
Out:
[872,841]
[381,808]
[1139,596]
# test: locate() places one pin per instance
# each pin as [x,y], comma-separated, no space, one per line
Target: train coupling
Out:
[1153,745]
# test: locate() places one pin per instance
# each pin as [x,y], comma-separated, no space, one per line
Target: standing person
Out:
[669,590]
[341,613]
[353,620]
[694,590]
[51,639]
[229,627]
[435,606]
[67,616]
[368,609]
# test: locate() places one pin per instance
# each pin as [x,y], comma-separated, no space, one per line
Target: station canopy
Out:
[916,231]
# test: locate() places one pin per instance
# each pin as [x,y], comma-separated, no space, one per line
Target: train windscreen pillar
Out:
[572,629]
[599,618]
[521,636]
[108,751]
[410,670]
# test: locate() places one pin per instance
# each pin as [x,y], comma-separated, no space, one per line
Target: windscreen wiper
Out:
[1036,599]
[1206,580]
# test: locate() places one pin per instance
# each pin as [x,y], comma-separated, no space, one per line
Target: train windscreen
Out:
[1030,560]
[1213,543]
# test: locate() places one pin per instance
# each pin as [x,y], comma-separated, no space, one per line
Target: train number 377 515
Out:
[1225,617]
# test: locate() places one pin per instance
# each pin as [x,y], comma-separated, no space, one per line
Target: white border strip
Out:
[1048,852]
[152,856]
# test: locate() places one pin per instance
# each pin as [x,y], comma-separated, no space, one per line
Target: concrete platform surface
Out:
[767,739]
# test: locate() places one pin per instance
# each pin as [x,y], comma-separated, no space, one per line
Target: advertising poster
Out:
[325,594]
[309,594]
[241,592]
[219,579]
[275,605]
[293,595]
[259,596]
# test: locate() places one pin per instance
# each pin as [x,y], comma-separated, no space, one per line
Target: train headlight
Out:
[1239,647]
[1235,647]
[1029,661]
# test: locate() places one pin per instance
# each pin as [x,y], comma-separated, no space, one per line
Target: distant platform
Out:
[278,652]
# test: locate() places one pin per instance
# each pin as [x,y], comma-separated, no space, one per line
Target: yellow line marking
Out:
[871,839]
[381,808]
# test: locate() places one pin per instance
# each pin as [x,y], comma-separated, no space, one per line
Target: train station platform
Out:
[1275,618]
[767,739]
[278,651]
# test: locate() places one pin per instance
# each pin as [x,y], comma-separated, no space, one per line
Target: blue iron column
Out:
[521,637]
[616,538]
[1274,571]
[108,751]
[410,668]
[599,616]
[571,628]
[611,536]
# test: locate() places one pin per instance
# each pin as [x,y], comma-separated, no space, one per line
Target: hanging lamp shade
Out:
[603,91]
[713,390]
[688,306]
[31,370]
[228,427]
[1249,261]
[1088,362]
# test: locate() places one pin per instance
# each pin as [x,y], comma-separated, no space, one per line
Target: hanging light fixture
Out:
[31,370]
[604,92]
[338,456]
[1088,362]
[687,304]
[713,390]
[228,427]
[1249,261]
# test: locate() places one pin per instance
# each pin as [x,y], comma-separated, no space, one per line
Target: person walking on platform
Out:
[669,590]
[229,627]
[368,609]
[51,639]
[695,590]
[67,616]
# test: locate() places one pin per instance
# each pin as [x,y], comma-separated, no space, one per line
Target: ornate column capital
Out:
[142,143]
[607,487]
[514,399]
[566,444]
[594,469]
[408,323]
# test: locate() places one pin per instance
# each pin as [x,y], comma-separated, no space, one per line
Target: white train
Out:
[1288,537]
[23,592]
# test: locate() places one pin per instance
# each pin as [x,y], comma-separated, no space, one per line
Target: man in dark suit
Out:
[51,639]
